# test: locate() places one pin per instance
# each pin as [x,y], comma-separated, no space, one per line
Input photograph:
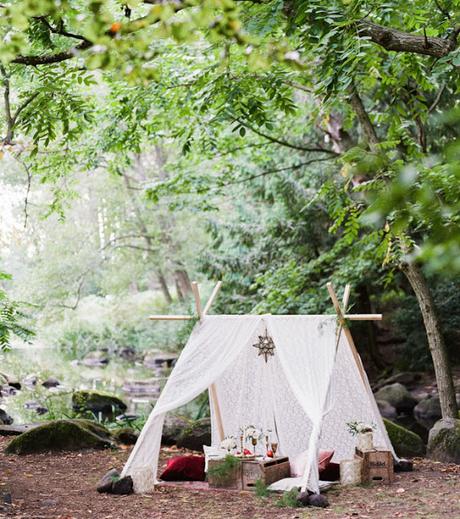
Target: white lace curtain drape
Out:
[288,394]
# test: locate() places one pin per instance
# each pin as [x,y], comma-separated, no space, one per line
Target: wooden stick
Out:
[171,317]
[346,297]
[364,317]
[216,407]
[212,297]
[196,293]
[347,333]
[212,387]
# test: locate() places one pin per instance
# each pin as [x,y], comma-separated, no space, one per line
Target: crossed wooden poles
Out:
[340,309]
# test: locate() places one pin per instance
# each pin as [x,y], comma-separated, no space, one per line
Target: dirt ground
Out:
[63,486]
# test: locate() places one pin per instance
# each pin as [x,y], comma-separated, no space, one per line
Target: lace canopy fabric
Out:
[305,393]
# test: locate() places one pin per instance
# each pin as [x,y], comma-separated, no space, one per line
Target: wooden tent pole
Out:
[346,297]
[212,297]
[196,294]
[212,387]
[170,317]
[347,332]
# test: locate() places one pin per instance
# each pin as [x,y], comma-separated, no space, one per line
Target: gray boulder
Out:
[428,411]
[105,483]
[51,382]
[30,381]
[318,500]
[5,418]
[122,486]
[386,409]
[444,441]
[8,390]
[127,353]
[160,359]
[408,378]
[10,380]
[96,358]
[126,436]
[197,434]
[149,387]
[398,396]
[31,405]
[173,427]
[98,403]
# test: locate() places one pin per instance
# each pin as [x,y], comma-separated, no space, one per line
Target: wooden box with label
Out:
[377,466]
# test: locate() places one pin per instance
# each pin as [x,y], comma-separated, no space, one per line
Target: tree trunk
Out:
[183,285]
[435,339]
[164,286]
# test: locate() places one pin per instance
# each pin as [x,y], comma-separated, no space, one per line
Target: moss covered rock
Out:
[196,435]
[444,441]
[96,402]
[59,435]
[126,436]
[405,442]
[173,427]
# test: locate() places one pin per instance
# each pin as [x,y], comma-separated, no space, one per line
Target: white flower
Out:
[228,443]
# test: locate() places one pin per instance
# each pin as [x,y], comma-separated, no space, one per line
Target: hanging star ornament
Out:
[265,345]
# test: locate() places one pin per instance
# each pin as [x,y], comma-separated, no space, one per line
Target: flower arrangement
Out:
[363,433]
[252,433]
[229,443]
[355,428]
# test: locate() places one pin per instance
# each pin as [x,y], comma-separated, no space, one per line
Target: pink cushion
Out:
[324,459]
[184,468]
[299,462]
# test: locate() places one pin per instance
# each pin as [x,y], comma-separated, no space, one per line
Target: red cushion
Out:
[184,468]
[324,459]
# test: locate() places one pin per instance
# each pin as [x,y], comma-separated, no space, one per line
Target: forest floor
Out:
[62,485]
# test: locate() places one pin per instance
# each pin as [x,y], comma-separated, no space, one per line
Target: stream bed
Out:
[28,366]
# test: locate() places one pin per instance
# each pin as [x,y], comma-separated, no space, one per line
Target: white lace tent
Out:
[306,392]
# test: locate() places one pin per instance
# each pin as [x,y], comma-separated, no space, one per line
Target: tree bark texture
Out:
[400,41]
[183,284]
[435,339]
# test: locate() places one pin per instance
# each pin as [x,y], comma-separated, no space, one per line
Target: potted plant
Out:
[363,433]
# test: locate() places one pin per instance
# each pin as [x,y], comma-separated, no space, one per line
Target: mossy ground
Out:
[63,484]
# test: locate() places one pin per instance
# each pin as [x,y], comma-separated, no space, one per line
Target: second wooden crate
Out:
[267,471]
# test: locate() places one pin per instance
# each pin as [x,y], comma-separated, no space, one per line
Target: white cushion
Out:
[214,453]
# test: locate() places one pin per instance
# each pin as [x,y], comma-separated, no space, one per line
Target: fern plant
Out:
[11,320]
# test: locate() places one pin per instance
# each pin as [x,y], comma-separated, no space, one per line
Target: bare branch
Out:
[282,142]
[60,30]
[49,59]
[400,41]
[277,170]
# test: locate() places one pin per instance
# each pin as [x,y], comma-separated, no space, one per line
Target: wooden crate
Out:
[268,471]
[233,480]
[377,466]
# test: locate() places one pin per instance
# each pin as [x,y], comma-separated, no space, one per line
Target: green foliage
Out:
[289,499]
[12,320]
[407,323]
[261,489]
[221,471]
